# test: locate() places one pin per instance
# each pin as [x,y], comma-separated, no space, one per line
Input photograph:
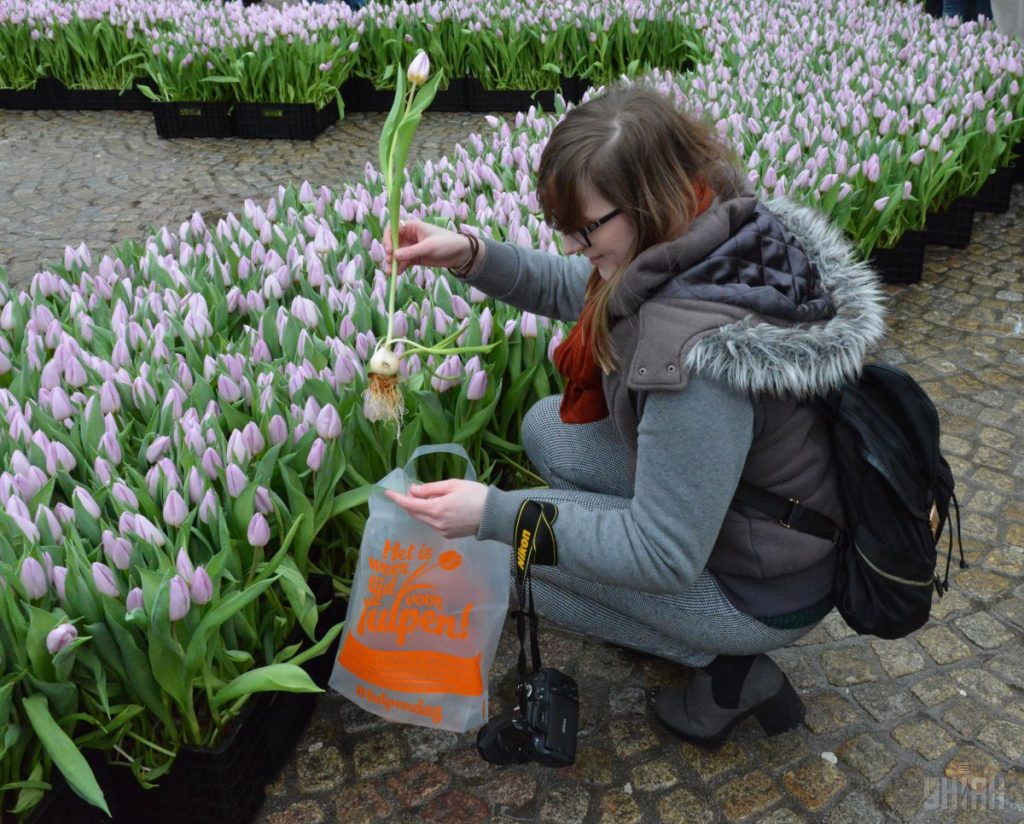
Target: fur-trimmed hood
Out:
[768,297]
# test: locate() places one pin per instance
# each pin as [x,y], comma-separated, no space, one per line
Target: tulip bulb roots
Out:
[382,400]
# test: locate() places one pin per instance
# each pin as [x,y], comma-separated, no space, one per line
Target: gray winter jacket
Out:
[767,303]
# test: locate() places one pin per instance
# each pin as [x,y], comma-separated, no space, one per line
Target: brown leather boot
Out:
[692,713]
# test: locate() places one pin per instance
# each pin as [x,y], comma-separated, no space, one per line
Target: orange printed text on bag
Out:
[424,617]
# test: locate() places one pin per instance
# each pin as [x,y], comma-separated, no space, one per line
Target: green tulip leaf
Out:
[62,750]
[271,678]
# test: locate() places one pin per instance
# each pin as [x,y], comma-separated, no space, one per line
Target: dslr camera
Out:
[542,729]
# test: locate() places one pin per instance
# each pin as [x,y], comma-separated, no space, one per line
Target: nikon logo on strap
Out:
[534,536]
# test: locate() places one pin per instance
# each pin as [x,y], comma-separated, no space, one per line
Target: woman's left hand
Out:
[453,507]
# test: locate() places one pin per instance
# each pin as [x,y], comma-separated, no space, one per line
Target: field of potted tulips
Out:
[184,441]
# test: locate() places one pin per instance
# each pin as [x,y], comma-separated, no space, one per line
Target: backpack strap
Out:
[787,511]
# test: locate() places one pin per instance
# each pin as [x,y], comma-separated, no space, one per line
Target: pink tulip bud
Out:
[134,599]
[253,438]
[881,203]
[328,423]
[117,549]
[59,637]
[227,389]
[316,455]
[103,578]
[102,469]
[60,404]
[147,530]
[263,501]
[86,501]
[419,69]
[196,485]
[180,601]
[175,509]
[157,448]
[258,532]
[211,463]
[110,400]
[111,448]
[235,480]
[60,574]
[278,430]
[208,507]
[183,564]
[33,578]
[124,495]
[201,588]
[477,386]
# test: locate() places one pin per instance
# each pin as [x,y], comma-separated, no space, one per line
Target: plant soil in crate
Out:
[994,194]
[193,119]
[283,121]
[952,226]
[223,785]
[903,262]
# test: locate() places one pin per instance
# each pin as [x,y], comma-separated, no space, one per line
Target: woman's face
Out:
[611,243]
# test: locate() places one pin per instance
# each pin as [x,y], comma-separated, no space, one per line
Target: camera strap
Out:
[535,544]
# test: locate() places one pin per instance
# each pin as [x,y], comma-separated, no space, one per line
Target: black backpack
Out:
[896,492]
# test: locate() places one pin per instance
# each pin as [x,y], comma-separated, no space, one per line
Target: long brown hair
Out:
[634,148]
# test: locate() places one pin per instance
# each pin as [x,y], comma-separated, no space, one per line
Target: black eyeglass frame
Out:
[582,236]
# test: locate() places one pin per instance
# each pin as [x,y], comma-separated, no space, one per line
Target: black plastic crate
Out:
[283,121]
[994,194]
[360,95]
[39,98]
[198,119]
[903,262]
[222,785]
[129,100]
[450,99]
[62,804]
[952,226]
[480,99]
[573,88]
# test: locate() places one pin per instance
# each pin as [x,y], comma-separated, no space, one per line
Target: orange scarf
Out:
[583,398]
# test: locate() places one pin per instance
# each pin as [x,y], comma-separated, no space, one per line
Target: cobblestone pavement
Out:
[925,729]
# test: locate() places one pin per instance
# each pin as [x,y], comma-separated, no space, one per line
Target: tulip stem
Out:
[394,227]
[151,745]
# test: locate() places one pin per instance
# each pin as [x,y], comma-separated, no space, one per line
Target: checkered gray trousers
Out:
[584,464]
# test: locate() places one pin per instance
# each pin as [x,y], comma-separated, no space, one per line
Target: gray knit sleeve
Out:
[532,280]
[691,449]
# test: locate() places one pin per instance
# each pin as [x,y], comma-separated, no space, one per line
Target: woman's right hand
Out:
[423,244]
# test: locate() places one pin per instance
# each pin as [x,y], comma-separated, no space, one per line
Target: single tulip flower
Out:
[419,69]
[134,599]
[183,564]
[316,455]
[60,574]
[201,588]
[33,578]
[258,532]
[59,637]
[179,601]
[175,509]
[103,578]
[328,423]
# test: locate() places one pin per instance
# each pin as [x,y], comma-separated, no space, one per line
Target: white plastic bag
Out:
[424,616]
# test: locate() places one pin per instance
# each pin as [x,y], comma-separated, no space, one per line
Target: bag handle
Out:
[446,448]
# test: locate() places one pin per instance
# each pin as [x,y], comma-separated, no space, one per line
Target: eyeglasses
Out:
[582,236]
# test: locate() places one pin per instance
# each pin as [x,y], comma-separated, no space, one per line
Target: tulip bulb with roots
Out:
[383,399]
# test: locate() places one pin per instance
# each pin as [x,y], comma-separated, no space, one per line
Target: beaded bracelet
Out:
[474,246]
